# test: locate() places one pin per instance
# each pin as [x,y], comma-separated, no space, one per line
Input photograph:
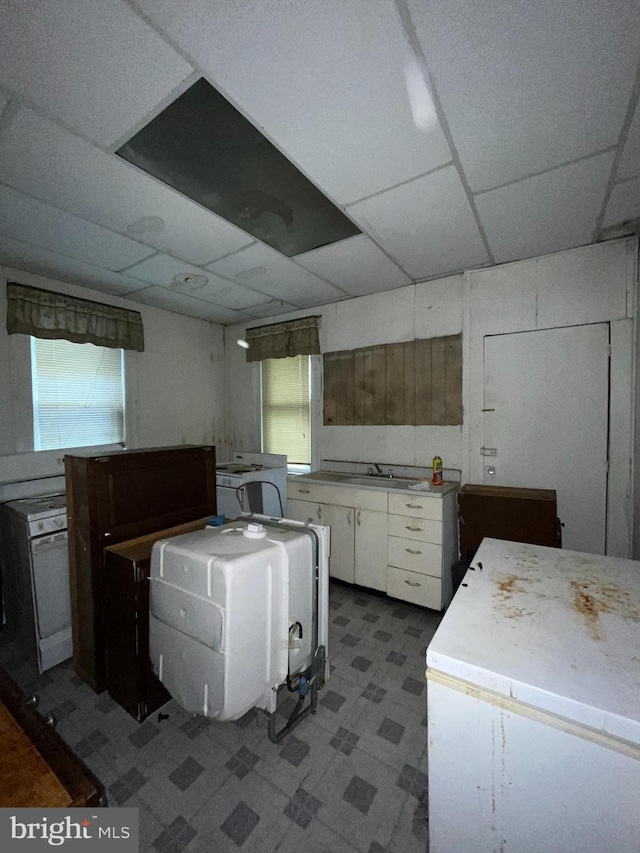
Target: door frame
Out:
[523,318]
[607,442]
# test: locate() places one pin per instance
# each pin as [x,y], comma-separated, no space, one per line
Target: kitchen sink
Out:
[380,482]
[326,477]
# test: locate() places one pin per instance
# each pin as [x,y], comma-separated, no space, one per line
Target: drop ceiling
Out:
[452,135]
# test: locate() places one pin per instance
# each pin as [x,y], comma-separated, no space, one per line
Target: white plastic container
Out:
[222,603]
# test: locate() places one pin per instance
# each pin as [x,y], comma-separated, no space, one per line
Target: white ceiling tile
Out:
[22,256]
[629,165]
[547,213]
[262,268]
[64,233]
[181,303]
[529,85]
[50,163]
[161,270]
[98,67]
[270,309]
[356,265]
[427,225]
[325,80]
[624,203]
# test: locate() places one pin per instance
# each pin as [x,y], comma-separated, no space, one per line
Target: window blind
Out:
[78,394]
[286,408]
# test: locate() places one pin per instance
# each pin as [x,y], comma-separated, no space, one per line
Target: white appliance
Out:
[534,705]
[35,573]
[248,467]
[236,612]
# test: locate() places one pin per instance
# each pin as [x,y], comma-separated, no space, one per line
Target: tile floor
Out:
[352,777]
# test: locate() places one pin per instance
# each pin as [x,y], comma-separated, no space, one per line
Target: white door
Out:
[546,416]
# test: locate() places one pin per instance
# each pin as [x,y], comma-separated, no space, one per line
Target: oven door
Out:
[50,562]
[227,501]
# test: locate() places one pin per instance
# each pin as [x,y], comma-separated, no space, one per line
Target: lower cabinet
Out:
[396,541]
[358,522]
[342,560]
[421,547]
[371,549]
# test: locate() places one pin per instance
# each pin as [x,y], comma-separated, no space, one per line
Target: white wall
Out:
[416,311]
[590,284]
[174,389]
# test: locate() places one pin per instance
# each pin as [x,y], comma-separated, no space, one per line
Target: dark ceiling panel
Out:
[203,147]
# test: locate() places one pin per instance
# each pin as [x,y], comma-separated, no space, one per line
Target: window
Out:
[286,408]
[78,394]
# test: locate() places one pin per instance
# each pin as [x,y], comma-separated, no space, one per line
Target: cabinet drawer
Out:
[308,492]
[422,557]
[418,589]
[416,505]
[420,529]
[375,499]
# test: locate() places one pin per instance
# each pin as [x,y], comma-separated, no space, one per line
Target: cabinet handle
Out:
[358,518]
[417,529]
[303,491]
[319,512]
[413,583]
[414,506]
[349,518]
[409,551]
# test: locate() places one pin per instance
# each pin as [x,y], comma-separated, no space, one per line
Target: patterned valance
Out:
[283,340]
[50,315]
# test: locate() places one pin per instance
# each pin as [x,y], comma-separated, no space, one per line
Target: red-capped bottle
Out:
[437,471]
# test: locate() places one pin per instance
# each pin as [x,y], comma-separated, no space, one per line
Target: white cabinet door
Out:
[371,549]
[546,418]
[341,521]
[304,510]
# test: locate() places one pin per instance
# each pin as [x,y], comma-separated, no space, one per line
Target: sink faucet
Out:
[378,468]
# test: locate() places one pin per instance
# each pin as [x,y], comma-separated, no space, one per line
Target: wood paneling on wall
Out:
[412,383]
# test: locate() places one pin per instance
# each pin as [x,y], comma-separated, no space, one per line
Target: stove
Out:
[248,467]
[36,577]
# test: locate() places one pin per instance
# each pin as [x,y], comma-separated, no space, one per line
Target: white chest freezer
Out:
[234,611]
[534,705]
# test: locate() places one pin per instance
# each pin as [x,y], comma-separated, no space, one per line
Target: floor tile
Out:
[351,777]
[411,832]
[302,807]
[316,838]
[391,733]
[360,799]
[249,810]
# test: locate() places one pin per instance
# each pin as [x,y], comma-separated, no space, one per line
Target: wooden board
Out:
[38,768]
[414,382]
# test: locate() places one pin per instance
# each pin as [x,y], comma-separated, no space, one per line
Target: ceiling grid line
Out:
[414,42]
[634,100]
[188,57]
[562,165]
[452,138]
[401,183]
[178,90]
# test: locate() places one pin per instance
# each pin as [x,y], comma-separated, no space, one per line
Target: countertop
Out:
[363,481]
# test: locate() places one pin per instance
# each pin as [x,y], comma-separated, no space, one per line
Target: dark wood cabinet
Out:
[130,679]
[503,512]
[39,770]
[117,496]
